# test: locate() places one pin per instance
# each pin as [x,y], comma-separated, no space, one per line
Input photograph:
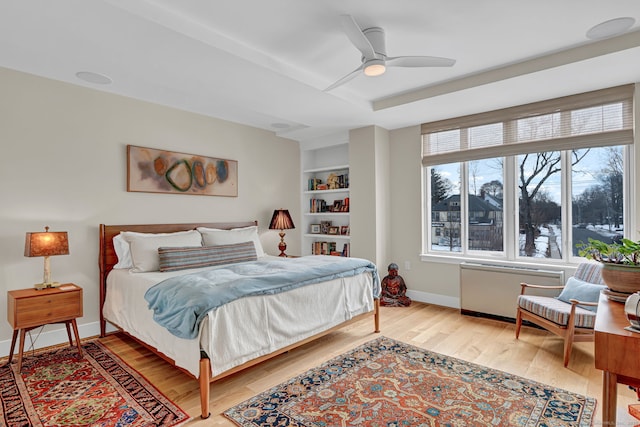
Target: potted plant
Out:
[620,261]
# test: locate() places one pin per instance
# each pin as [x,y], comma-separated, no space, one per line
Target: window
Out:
[485,204]
[539,198]
[445,208]
[559,166]
[597,197]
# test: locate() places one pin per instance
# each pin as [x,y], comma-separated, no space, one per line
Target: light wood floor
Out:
[536,355]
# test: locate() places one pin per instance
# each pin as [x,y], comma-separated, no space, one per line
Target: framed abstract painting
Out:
[151,170]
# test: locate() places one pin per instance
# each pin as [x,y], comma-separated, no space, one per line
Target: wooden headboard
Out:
[107,255]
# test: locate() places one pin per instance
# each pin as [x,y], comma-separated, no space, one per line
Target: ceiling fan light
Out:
[375,68]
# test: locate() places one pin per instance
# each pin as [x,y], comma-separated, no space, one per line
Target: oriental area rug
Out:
[58,388]
[390,383]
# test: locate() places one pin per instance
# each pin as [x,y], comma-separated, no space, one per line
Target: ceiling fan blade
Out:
[357,37]
[420,61]
[345,79]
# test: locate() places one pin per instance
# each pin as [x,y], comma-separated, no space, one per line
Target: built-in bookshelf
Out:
[326,201]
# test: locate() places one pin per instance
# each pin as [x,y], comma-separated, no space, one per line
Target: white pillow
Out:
[122,249]
[144,246]
[123,253]
[216,236]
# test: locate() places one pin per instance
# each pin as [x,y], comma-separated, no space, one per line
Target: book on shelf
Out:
[317,206]
[320,205]
[340,181]
[346,250]
[343,180]
[313,184]
[323,248]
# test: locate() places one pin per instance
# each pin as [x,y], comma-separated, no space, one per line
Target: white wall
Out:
[369,192]
[382,205]
[63,164]
[362,193]
[428,282]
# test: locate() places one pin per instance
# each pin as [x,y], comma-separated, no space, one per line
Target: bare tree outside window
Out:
[598,197]
[538,173]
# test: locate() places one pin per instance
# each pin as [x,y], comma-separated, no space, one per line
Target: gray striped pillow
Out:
[181,258]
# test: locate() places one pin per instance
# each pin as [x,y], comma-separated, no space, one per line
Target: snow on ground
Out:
[542,241]
[606,230]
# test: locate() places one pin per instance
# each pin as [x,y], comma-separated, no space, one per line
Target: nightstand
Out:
[31,308]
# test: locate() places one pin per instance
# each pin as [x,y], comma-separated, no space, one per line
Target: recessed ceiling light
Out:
[610,28]
[91,77]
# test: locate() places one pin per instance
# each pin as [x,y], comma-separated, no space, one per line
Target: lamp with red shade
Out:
[281,220]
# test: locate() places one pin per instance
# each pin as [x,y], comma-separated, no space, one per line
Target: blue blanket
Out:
[181,302]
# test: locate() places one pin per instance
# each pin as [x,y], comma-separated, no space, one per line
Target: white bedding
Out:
[243,329]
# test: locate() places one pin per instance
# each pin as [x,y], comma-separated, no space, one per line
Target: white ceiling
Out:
[266,63]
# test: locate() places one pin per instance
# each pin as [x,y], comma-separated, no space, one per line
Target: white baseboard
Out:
[436,299]
[48,336]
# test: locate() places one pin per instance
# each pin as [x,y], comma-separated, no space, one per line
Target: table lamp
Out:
[281,220]
[46,244]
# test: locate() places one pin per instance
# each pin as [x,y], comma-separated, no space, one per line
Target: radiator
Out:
[492,290]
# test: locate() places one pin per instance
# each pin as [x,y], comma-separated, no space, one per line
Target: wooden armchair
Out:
[564,315]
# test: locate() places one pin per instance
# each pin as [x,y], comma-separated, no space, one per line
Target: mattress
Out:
[241,330]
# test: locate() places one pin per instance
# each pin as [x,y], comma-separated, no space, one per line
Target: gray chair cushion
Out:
[556,311]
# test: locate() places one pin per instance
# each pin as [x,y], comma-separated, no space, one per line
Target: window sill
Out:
[459,259]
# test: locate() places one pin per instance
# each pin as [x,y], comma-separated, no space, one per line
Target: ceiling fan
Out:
[370,42]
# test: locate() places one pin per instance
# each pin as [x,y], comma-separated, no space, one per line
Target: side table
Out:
[616,355]
[30,308]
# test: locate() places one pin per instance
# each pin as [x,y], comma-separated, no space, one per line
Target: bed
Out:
[268,322]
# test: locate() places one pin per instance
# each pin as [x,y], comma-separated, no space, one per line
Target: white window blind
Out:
[593,119]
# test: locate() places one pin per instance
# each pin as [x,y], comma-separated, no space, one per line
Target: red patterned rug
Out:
[58,388]
[389,383]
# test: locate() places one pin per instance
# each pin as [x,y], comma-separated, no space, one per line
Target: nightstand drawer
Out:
[48,309]
[29,308]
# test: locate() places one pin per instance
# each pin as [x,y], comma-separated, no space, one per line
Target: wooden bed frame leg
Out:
[205,379]
[376,315]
